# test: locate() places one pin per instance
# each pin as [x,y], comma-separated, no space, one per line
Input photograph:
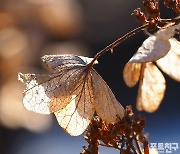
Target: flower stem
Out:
[118,41]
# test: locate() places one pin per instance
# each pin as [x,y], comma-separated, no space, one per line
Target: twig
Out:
[137,144]
[131,145]
[175,20]
[117,42]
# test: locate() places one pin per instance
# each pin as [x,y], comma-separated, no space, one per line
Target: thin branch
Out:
[137,144]
[129,142]
[117,42]
[176,20]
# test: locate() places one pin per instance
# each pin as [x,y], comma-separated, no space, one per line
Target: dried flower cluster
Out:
[152,13]
[162,49]
[173,4]
[125,136]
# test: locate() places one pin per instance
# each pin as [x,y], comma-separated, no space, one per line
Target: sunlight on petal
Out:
[131,73]
[151,88]
[75,117]
[151,50]
[170,64]
[167,31]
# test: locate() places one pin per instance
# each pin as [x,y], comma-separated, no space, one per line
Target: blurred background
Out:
[30,29]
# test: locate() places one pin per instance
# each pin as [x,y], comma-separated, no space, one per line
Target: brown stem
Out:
[117,42]
[176,20]
[146,147]
[133,32]
[129,142]
[137,144]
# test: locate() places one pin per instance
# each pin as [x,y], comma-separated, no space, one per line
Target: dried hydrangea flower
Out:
[73,91]
[163,50]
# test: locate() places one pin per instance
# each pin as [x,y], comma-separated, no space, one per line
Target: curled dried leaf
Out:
[151,50]
[151,88]
[73,92]
[170,63]
[131,73]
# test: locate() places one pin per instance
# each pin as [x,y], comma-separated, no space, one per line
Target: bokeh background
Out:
[30,29]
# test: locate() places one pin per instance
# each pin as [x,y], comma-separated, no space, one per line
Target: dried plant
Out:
[75,92]
[125,136]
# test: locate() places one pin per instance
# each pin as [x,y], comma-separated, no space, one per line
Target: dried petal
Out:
[52,94]
[167,32]
[151,50]
[75,117]
[131,73]
[105,103]
[65,61]
[170,64]
[151,88]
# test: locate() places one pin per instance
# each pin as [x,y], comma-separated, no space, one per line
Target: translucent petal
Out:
[131,73]
[105,103]
[167,32]
[53,93]
[151,50]
[170,64]
[75,117]
[151,88]
[65,61]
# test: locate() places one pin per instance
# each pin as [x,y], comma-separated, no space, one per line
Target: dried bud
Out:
[129,110]
[152,9]
[120,136]
[173,4]
[140,16]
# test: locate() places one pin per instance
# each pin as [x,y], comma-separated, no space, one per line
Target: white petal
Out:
[151,50]
[170,64]
[167,32]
